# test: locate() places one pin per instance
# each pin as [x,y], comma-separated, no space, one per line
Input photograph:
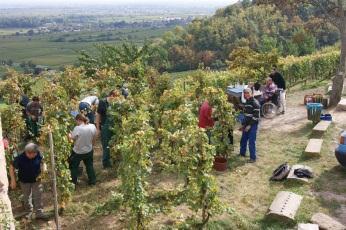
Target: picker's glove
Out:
[247,128]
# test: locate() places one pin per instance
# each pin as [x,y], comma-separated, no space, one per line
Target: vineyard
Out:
[152,83]
[155,129]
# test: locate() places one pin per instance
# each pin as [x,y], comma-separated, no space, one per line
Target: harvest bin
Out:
[314,111]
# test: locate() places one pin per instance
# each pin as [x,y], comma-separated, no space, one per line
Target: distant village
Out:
[56,27]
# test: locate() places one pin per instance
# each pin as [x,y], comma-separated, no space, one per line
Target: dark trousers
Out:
[87,158]
[33,127]
[250,137]
[106,136]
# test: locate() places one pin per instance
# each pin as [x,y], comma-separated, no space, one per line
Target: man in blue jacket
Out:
[30,165]
[250,124]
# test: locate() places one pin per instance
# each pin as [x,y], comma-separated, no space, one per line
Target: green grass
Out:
[46,50]
[314,84]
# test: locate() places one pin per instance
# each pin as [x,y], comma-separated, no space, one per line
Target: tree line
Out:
[260,27]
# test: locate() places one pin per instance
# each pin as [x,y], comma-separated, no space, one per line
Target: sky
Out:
[206,3]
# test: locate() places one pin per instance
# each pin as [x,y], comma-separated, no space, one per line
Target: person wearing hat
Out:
[30,166]
[87,106]
[249,125]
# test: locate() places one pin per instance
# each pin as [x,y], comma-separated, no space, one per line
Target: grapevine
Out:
[136,166]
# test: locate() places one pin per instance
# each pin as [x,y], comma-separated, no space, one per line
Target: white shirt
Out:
[83,136]
[91,100]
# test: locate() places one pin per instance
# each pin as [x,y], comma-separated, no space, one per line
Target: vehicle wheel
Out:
[269,110]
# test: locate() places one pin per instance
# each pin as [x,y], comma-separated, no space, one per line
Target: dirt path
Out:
[295,114]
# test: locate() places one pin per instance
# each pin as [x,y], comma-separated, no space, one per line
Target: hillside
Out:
[262,28]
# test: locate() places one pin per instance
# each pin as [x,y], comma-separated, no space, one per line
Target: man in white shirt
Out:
[83,135]
[87,106]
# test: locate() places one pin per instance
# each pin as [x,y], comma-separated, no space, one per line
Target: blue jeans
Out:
[83,106]
[250,137]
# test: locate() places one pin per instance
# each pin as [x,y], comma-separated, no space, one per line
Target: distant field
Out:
[59,49]
[12,31]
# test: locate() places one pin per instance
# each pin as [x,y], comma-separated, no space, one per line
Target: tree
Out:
[30,32]
[254,65]
[333,11]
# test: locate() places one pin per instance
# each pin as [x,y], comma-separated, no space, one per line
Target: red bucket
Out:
[220,164]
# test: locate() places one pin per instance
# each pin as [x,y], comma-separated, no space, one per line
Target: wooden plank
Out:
[321,126]
[314,147]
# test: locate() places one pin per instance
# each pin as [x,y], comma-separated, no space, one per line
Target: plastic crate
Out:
[314,111]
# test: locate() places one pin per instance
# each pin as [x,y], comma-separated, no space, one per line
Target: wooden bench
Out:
[321,127]
[314,147]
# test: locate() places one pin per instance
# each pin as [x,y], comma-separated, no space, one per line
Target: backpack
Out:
[280,172]
[303,173]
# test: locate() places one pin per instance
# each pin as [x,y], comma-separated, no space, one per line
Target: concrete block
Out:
[308,227]
[314,147]
[321,127]
[342,105]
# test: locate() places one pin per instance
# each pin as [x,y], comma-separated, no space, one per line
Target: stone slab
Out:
[285,206]
[326,222]
[292,176]
[308,227]
[314,147]
[342,105]
[321,126]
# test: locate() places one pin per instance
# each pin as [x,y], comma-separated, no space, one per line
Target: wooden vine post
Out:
[55,193]
[6,216]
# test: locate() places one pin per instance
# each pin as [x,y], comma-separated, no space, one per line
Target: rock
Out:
[342,105]
[326,222]
[308,227]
